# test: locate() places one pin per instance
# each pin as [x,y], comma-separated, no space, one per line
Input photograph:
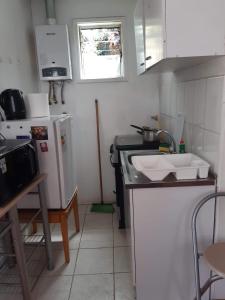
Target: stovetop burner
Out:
[133,142]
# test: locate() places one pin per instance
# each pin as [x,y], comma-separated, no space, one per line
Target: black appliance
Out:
[12,102]
[18,166]
[122,143]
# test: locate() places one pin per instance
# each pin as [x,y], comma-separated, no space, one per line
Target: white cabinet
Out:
[162,240]
[181,33]
[154,31]
[139,36]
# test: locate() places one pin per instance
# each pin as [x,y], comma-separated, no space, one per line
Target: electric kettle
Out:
[12,102]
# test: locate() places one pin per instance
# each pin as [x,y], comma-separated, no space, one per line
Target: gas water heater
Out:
[53,52]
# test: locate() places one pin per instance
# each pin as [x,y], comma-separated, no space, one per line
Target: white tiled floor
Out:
[99,267]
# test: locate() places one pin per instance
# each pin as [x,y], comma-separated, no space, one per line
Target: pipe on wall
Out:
[50,11]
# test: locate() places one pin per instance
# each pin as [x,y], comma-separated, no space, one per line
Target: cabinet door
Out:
[154,11]
[195,28]
[139,36]
[163,241]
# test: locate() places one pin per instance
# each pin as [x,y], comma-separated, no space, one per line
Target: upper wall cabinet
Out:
[139,36]
[180,33]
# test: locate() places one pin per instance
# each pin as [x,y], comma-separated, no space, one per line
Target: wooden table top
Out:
[14,201]
[215,257]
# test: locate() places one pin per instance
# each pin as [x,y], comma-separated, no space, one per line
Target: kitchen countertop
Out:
[135,180]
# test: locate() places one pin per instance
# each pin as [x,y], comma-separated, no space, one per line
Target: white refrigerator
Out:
[55,156]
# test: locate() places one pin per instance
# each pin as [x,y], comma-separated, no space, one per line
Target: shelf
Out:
[179,63]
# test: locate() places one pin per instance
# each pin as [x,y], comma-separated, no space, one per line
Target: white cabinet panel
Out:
[154,30]
[179,34]
[139,36]
[163,241]
[195,28]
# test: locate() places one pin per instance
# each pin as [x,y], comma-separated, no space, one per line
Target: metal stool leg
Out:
[201,290]
[20,257]
[47,234]
[196,256]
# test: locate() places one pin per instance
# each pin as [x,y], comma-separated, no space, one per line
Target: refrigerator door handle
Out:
[59,156]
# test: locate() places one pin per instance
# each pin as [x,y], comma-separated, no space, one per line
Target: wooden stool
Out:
[56,216]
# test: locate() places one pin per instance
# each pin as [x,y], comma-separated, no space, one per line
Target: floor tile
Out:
[89,209]
[124,289]
[8,292]
[39,253]
[92,287]
[93,267]
[71,222]
[97,239]
[28,251]
[55,287]
[115,220]
[82,208]
[122,259]
[34,268]
[98,221]
[121,237]
[95,261]
[62,268]
[74,238]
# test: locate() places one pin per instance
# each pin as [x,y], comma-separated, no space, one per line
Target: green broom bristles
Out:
[102,208]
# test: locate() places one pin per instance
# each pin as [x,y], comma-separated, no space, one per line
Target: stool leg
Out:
[46,228]
[65,237]
[76,213]
[19,251]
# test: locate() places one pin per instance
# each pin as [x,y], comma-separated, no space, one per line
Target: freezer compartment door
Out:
[65,159]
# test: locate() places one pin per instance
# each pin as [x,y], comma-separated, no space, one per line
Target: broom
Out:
[100,207]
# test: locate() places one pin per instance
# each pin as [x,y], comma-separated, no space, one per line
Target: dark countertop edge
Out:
[169,181]
[175,183]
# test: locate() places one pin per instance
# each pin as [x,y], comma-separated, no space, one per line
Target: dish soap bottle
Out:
[182,146]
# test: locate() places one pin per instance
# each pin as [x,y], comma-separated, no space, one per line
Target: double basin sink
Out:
[156,166]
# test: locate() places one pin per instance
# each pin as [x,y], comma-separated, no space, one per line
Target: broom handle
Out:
[99,149]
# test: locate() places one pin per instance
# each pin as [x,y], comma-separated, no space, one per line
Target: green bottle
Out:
[182,146]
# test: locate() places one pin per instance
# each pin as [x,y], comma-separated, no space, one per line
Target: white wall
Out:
[121,103]
[17,67]
[198,94]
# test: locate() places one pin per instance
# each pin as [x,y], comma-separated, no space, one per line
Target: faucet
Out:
[172,140]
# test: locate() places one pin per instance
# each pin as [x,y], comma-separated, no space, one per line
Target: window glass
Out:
[101,55]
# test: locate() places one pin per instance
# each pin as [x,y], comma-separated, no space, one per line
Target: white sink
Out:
[155,167]
[184,166]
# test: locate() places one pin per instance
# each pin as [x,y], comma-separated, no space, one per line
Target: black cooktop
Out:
[133,142]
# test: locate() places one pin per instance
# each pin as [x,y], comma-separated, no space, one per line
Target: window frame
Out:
[78,53]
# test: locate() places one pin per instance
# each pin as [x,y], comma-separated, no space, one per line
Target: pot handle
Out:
[137,127]
[140,132]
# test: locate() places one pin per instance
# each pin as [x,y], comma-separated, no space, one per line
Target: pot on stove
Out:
[149,134]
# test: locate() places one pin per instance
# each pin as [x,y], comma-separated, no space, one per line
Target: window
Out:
[100,49]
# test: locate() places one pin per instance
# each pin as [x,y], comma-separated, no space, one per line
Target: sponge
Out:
[164,147]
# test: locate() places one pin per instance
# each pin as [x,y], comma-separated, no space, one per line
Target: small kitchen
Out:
[112,149]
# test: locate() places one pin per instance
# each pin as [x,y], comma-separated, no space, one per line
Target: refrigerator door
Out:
[65,159]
